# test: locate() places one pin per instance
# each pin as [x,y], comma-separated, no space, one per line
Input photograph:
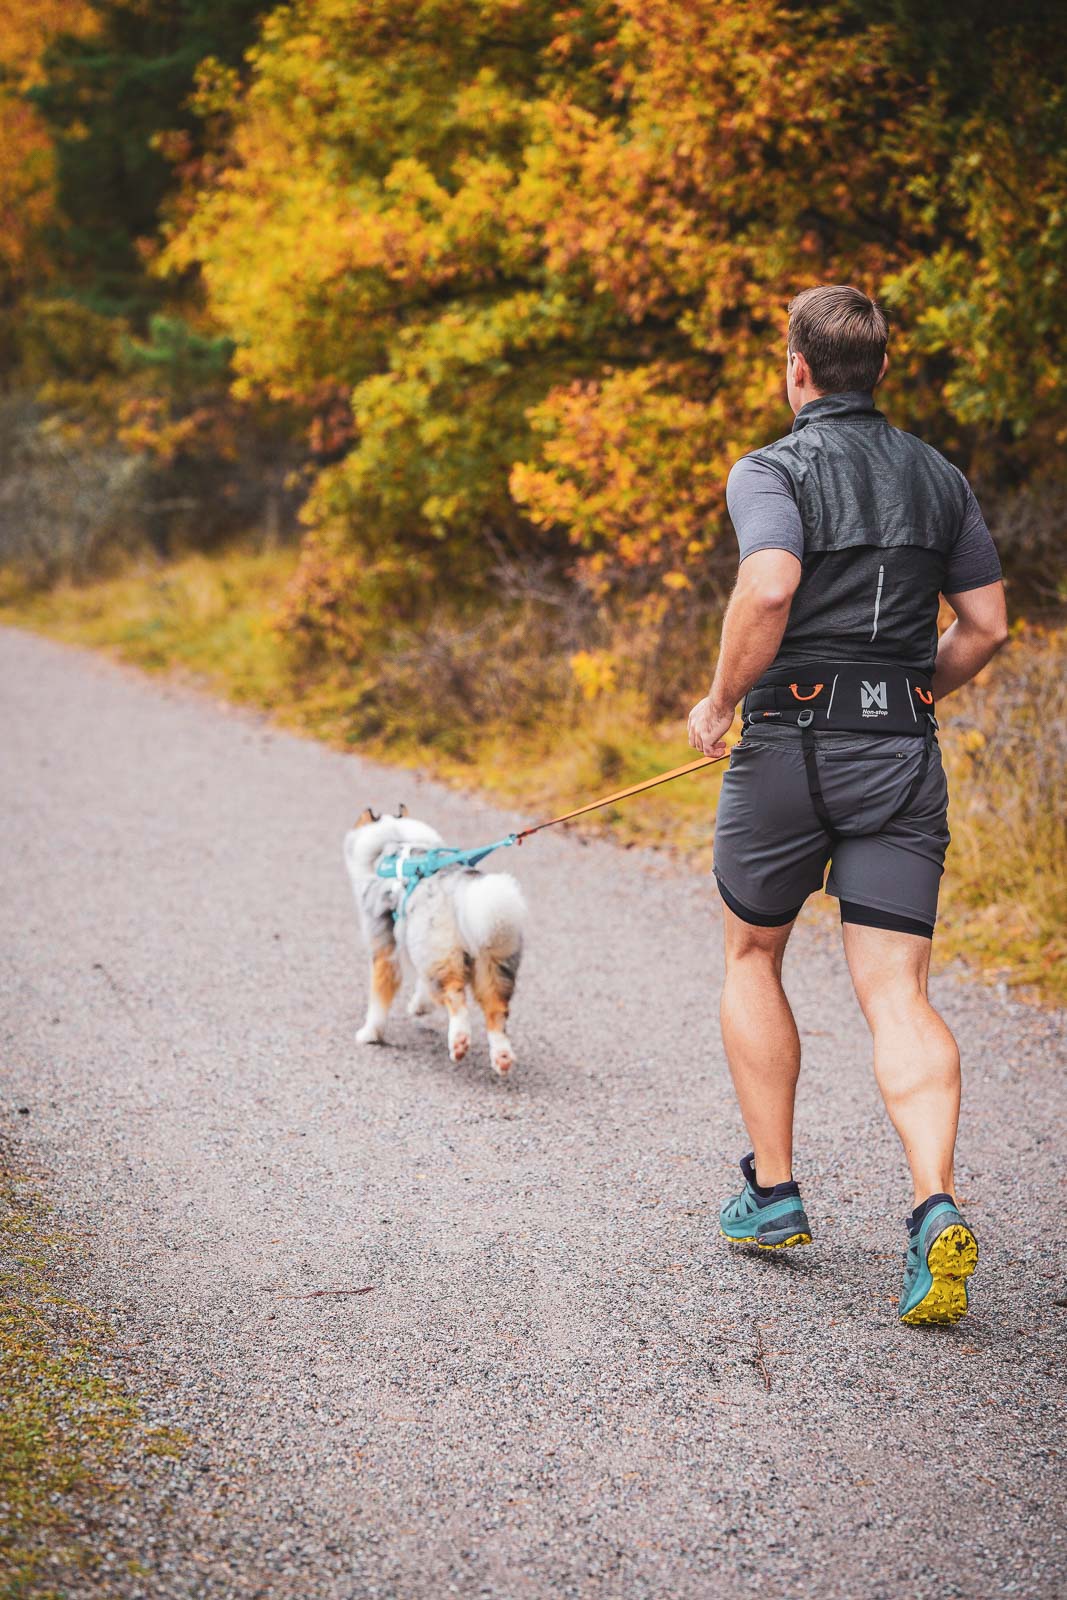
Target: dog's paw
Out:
[458,1045]
[502,1059]
[420,1005]
[501,1055]
[370,1033]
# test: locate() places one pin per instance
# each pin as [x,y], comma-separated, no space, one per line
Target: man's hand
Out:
[708,725]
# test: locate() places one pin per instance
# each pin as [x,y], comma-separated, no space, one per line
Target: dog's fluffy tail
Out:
[491,913]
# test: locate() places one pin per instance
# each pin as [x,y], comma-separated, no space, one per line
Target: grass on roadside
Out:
[1004,897]
[1005,890]
[65,1423]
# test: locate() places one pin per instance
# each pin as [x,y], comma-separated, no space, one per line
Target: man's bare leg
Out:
[762,1043]
[916,1061]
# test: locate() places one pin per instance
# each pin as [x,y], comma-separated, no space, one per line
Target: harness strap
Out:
[411,870]
[402,904]
[811,764]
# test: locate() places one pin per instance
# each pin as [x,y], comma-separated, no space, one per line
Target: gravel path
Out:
[561,1382]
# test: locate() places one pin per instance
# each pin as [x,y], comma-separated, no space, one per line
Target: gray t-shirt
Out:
[766,517]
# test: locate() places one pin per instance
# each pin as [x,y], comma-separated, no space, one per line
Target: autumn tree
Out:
[530,262]
[27,157]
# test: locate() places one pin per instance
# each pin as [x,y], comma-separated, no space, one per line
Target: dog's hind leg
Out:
[494,985]
[450,981]
[384,983]
[422,1001]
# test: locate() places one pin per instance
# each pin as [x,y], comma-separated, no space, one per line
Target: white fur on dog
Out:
[491,913]
[457,919]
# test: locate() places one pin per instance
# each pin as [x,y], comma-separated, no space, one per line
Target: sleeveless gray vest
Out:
[881,511]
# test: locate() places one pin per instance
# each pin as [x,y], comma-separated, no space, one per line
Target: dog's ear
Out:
[401,810]
[366,816]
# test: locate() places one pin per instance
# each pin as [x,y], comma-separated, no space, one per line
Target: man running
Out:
[849,532]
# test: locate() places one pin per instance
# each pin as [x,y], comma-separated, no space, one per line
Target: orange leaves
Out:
[692,211]
[739,171]
[742,127]
[631,470]
[151,425]
[26,173]
[27,27]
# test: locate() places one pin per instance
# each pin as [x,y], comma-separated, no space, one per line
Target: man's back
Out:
[881,523]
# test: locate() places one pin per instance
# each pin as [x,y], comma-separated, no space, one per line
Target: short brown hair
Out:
[842,335]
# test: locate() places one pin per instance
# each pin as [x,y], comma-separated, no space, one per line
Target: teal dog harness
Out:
[411,869]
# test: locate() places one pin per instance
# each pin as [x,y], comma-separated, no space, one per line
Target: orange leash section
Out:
[622,794]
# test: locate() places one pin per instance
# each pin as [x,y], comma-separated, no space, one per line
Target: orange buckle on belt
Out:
[795,692]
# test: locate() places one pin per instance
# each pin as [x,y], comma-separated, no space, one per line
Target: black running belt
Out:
[844,697]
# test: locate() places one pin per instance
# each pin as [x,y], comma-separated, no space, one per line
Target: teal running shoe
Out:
[941,1255]
[772,1219]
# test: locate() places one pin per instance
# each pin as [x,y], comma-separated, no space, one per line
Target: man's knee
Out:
[749,942]
[888,969]
[889,998]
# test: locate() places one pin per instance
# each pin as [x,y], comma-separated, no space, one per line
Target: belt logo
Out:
[874,699]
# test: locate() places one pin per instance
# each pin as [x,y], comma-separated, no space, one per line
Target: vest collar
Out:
[834,407]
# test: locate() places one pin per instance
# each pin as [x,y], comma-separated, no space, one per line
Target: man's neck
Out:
[805,397]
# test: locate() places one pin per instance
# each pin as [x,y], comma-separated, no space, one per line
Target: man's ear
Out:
[801,370]
[885,369]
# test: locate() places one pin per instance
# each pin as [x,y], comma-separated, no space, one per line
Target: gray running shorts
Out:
[771,851]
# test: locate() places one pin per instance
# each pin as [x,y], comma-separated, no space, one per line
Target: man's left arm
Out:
[974,588]
[752,631]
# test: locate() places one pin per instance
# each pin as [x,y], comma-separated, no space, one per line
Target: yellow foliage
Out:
[27,29]
[595,672]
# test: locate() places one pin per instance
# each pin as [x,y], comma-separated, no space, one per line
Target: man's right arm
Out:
[974,590]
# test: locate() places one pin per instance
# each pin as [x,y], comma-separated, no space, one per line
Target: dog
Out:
[458,927]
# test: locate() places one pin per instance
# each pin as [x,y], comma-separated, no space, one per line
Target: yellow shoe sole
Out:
[953,1257]
[786,1244]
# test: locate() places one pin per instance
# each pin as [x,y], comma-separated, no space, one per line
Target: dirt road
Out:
[561,1383]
